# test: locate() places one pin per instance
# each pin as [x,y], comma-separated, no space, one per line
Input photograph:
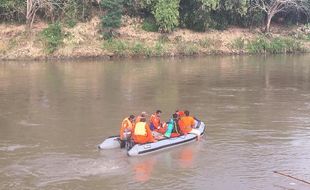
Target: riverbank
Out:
[84,41]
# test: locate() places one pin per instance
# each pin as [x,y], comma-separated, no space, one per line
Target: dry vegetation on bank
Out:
[84,40]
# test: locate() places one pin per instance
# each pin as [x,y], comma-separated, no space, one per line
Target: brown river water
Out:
[257,110]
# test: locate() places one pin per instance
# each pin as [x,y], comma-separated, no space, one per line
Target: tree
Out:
[12,10]
[33,6]
[112,18]
[273,7]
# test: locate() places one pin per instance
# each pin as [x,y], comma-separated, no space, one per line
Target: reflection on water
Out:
[52,116]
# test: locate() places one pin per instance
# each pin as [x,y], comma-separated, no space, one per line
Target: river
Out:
[256,108]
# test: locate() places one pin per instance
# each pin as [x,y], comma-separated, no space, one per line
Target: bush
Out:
[166,14]
[238,43]
[275,45]
[258,45]
[116,46]
[52,36]
[159,48]
[12,11]
[138,48]
[193,15]
[187,48]
[210,42]
[112,19]
[149,25]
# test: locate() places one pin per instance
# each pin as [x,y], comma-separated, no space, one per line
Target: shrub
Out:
[258,45]
[52,36]
[159,48]
[188,48]
[275,45]
[116,46]
[210,42]
[238,43]
[149,25]
[112,19]
[166,14]
[138,48]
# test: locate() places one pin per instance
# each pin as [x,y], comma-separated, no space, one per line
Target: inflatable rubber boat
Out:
[142,149]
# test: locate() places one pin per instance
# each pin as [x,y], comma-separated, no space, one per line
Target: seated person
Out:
[143,114]
[187,124]
[172,128]
[142,133]
[126,129]
[158,129]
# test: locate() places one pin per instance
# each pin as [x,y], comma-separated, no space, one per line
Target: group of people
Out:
[141,130]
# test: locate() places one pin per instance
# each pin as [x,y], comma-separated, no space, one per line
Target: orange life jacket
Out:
[126,128]
[154,121]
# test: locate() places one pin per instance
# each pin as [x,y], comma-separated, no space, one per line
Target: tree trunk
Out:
[269,17]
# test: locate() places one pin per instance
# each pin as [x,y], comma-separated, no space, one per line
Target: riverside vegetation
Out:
[74,28]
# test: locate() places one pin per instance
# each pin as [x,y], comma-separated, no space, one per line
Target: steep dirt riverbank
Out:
[84,41]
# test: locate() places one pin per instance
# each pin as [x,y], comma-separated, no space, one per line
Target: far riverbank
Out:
[84,41]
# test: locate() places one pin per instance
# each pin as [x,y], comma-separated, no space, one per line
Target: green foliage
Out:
[112,19]
[138,48]
[238,43]
[52,36]
[159,48]
[116,46]
[188,48]
[211,4]
[210,43]
[12,10]
[194,15]
[70,23]
[76,10]
[275,45]
[166,14]
[149,25]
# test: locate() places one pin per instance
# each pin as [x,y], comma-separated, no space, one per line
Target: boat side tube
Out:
[142,149]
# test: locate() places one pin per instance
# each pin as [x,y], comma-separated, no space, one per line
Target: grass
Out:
[149,25]
[210,43]
[116,46]
[238,43]
[188,48]
[275,45]
[122,47]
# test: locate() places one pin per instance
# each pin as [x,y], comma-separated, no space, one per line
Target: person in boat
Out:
[180,113]
[187,124]
[172,127]
[143,114]
[158,129]
[126,129]
[142,132]
[155,120]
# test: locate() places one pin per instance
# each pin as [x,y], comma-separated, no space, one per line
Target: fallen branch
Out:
[291,177]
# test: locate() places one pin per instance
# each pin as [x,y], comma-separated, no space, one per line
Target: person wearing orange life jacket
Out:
[143,114]
[179,113]
[126,129]
[142,133]
[155,123]
[158,129]
[187,123]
